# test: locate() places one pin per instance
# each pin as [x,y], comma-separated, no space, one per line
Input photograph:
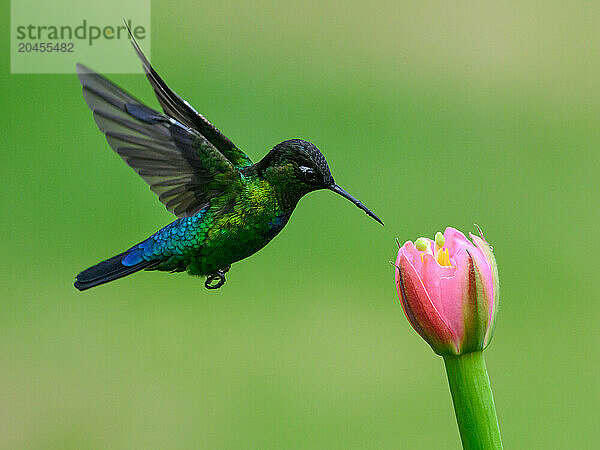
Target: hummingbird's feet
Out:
[218,276]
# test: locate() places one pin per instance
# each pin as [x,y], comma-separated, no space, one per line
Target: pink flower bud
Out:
[449,291]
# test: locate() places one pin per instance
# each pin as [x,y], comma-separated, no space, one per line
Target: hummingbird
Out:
[227,207]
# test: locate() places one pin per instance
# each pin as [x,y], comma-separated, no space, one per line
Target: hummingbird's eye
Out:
[309,174]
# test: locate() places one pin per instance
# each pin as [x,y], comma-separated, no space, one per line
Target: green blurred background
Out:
[432,113]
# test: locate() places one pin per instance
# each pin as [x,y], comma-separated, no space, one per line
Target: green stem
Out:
[473,401]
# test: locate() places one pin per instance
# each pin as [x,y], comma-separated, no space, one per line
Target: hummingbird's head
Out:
[298,167]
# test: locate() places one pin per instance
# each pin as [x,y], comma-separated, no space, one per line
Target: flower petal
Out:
[414,255]
[455,241]
[475,307]
[492,285]
[445,290]
[420,310]
[482,255]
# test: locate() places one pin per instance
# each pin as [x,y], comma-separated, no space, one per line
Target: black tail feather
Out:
[108,270]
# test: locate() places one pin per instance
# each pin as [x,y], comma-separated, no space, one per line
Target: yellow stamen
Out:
[439,253]
[443,257]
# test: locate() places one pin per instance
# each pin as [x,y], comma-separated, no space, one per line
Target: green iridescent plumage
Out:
[210,240]
[228,208]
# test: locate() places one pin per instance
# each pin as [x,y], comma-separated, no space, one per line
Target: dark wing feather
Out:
[181,166]
[177,108]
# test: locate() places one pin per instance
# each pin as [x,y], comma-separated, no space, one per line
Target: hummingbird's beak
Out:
[335,188]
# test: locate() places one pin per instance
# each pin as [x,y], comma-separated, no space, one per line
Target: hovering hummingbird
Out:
[227,207]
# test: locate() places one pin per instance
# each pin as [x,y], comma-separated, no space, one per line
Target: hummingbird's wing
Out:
[178,163]
[176,107]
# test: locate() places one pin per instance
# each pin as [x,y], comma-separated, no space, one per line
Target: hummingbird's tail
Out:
[111,269]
